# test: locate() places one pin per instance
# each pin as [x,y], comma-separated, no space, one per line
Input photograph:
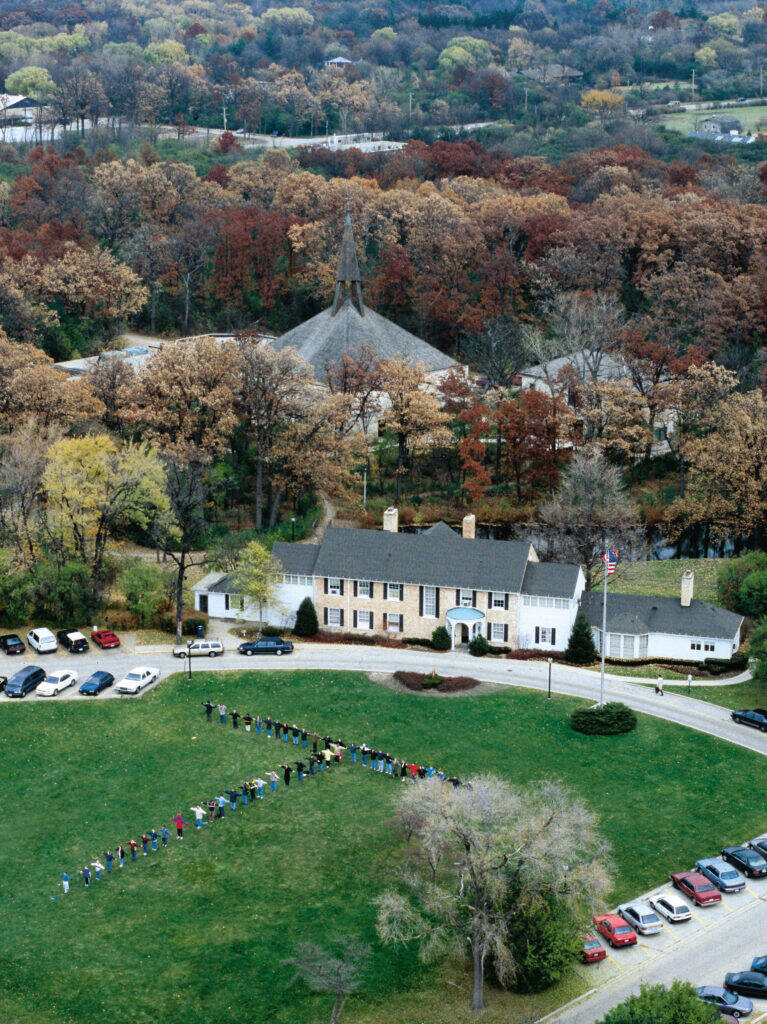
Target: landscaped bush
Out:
[272,631]
[721,666]
[419,681]
[440,639]
[611,720]
[432,681]
[479,646]
[306,619]
[580,647]
[118,619]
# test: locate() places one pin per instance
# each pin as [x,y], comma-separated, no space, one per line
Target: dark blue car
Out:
[24,681]
[94,684]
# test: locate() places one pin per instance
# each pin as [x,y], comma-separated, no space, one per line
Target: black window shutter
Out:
[553,637]
[488,631]
[420,601]
[506,602]
[325,613]
[385,621]
[489,599]
[342,587]
[355,620]
[458,597]
[505,632]
[355,588]
[373,589]
[342,616]
[537,635]
[473,599]
[436,589]
[326,584]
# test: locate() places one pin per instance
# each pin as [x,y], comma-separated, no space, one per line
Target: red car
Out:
[696,886]
[617,931]
[105,638]
[592,951]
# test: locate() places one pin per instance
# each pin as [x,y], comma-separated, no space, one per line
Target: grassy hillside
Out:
[663,578]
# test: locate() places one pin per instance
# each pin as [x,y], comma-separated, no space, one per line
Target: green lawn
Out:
[685,120]
[663,578]
[199,932]
[738,695]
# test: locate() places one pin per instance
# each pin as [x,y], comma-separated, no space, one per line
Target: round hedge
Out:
[610,720]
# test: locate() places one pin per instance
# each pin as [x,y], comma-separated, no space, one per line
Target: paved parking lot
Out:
[719,938]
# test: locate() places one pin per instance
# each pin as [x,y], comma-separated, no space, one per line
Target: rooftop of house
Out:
[636,614]
[348,325]
[609,367]
[550,579]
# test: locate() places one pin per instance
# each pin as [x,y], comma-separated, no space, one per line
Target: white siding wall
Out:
[282,613]
[561,619]
[664,646]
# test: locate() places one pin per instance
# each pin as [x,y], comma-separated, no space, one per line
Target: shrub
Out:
[752,595]
[15,594]
[119,619]
[721,666]
[64,593]
[271,631]
[580,647]
[440,639]
[611,720]
[479,646]
[431,681]
[662,1005]
[544,941]
[306,619]
[758,651]
[143,585]
[448,684]
[732,575]
[190,620]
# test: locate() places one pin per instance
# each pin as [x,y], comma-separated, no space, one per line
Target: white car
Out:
[42,640]
[137,679]
[200,649]
[671,908]
[641,917]
[55,682]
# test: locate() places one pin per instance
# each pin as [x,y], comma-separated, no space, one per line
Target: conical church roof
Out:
[347,326]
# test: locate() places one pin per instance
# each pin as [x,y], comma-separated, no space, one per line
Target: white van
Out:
[42,641]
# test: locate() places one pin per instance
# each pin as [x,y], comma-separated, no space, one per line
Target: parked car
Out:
[760,845]
[593,951]
[725,1001]
[200,649]
[641,917]
[671,908]
[3,681]
[750,862]
[105,638]
[12,644]
[757,718]
[55,682]
[42,640]
[95,683]
[24,681]
[722,875]
[615,930]
[137,679]
[747,983]
[759,963]
[696,886]
[73,641]
[266,645]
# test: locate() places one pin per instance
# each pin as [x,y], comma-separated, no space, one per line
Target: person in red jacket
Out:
[133,847]
[179,822]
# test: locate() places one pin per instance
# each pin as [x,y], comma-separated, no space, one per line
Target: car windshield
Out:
[133,675]
[729,997]
[52,679]
[704,888]
[649,919]
[13,639]
[591,945]
[622,930]
[729,875]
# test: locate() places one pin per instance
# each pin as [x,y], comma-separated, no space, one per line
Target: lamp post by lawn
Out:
[292,527]
[549,661]
[189,659]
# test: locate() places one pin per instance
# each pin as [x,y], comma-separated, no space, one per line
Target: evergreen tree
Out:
[580,647]
[306,619]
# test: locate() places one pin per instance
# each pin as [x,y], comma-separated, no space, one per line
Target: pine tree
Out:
[580,647]
[306,619]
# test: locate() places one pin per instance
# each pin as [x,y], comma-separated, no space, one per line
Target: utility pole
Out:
[693,85]
[526,91]
[410,99]
[365,488]
[604,629]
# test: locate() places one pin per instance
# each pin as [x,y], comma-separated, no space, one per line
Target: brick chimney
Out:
[469,527]
[391,520]
[688,582]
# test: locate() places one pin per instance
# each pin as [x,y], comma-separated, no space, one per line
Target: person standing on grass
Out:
[285,732]
[98,867]
[403,769]
[179,822]
[364,750]
[235,716]
[164,834]
[295,732]
[121,855]
[154,835]
[304,737]
[211,810]
[208,709]
[273,776]
[247,719]
[269,724]
[312,763]
[327,756]
[395,765]
[286,773]
[389,761]
[221,805]
[86,873]
[381,760]
[353,753]
[199,814]
[258,725]
[65,880]
[300,769]
[232,794]
[109,857]
[315,741]
[222,713]
[277,729]
[260,783]
[144,842]
[244,794]
[252,790]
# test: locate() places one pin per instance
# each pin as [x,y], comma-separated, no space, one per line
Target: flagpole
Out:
[605,563]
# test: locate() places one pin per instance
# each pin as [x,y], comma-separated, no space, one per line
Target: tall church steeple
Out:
[348,278]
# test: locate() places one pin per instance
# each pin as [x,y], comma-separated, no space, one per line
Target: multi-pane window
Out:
[708,647]
[695,645]
[530,601]
[393,591]
[430,602]
[334,586]
[466,598]
[545,634]
[296,581]
[364,588]
[334,616]
[498,600]
[496,632]
[643,644]
[364,620]
[614,645]
[628,646]
[394,623]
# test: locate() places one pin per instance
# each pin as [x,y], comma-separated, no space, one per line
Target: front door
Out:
[204,603]
[464,634]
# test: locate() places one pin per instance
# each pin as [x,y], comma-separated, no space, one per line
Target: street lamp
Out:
[189,659]
[549,661]
[292,527]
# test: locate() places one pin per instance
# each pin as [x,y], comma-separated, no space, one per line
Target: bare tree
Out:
[340,972]
[591,506]
[501,846]
[109,375]
[499,351]
[358,376]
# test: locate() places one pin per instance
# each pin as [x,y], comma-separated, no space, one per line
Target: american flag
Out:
[611,560]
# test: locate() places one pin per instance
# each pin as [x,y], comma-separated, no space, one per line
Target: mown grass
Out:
[200,932]
[662,578]
[738,695]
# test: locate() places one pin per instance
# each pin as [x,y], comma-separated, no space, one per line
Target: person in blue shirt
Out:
[232,794]
[86,873]
[65,880]
[164,833]
[153,835]
[109,857]
[221,806]
[353,752]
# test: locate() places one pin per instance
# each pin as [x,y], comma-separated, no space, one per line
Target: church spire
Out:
[348,278]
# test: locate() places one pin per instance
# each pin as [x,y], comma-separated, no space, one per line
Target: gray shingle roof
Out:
[435,558]
[296,558]
[326,337]
[637,613]
[550,579]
